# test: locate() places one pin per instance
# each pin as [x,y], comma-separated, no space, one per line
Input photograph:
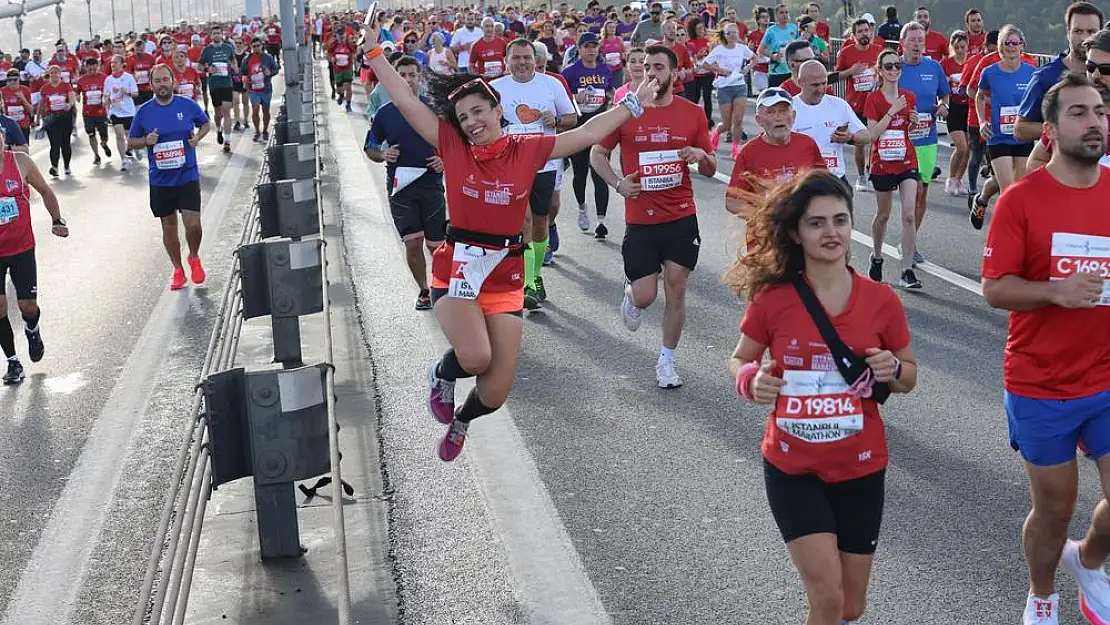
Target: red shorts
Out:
[503,290]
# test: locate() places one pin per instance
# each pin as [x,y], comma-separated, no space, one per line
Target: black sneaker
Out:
[424,300]
[236,127]
[15,372]
[96,161]
[909,280]
[600,232]
[219,139]
[128,154]
[977,210]
[875,271]
[936,173]
[107,150]
[265,136]
[34,345]
[541,292]
[54,171]
[531,302]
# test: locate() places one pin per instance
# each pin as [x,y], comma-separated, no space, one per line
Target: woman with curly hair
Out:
[477,274]
[824,449]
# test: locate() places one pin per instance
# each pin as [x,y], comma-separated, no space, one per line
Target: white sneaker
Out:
[1094,586]
[952,187]
[583,220]
[123,164]
[666,375]
[1042,611]
[630,314]
[861,185]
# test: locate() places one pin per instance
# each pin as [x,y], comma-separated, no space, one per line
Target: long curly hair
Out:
[774,255]
[445,90]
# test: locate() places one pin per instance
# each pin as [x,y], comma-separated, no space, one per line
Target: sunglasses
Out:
[469,84]
[412,41]
[892,66]
[1013,43]
[656,12]
[1102,68]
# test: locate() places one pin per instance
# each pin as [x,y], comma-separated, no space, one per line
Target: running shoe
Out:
[96,160]
[735,150]
[441,396]
[348,106]
[666,375]
[861,185]
[424,300]
[977,210]
[909,280]
[123,165]
[965,188]
[69,172]
[1094,586]
[236,127]
[600,232]
[34,344]
[54,171]
[541,292]
[548,256]
[219,139]
[265,136]
[728,137]
[257,136]
[918,257]
[129,154]
[630,314]
[553,238]
[107,150]
[15,372]
[715,138]
[583,220]
[936,173]
[452,444]
[875,270]
[1042,611]
[743,136]
[952,187]
[177,282]
[531,299]
[227,147]
[196,271]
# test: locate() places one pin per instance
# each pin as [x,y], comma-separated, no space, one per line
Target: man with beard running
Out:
[165,127]
[1047,267]
[661,235]
[218,60]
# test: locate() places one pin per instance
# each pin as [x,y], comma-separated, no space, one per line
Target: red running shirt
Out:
[774,163]
[13,105]
[954,70]
[16,235]
[139,66]
[91,87]
[755,38]
[794,442]
[488,57]
[892,152]
[53,98]
[1053,352]
[187,83]
[858,87]
[649,145]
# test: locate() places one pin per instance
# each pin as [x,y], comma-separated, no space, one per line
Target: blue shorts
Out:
[725,95]
[1046,431]
[259,97]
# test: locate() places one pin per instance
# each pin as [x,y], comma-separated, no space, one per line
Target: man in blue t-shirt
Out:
[926,79]
[1082,19]
[165,127]
[14,137]
[414,177]
[774,43]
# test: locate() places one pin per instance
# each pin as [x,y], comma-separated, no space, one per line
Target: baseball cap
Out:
[868,17]
[586,39]
[805,21]
[772,96]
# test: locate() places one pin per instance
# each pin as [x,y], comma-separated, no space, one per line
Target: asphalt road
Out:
[661,492]
[87,442]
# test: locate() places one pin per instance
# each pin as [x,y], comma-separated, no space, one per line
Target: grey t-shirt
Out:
[647,29]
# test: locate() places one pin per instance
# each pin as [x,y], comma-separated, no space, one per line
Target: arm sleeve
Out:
[1004,250]
[563,103]
[137,128]
[754,324]
[1030,108]
[14,133]
[942,81]
[817,161]
[200,118]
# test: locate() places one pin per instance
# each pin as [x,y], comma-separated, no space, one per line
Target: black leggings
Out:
[60,134]
[700,91]
[975,160]
[580,161]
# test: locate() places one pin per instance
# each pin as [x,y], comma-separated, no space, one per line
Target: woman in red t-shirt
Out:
[477,274]
[891,113]
[958,110]
[824,448]
[56,99]
[701,88]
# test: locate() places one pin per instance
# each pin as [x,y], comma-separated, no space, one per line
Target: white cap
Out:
[868,17]
[772,96]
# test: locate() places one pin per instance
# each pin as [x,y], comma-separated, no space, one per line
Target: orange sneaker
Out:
[196,271]
[178,280]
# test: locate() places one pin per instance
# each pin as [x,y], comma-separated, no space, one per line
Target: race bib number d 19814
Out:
[1081,253]
[661,170]
[815,407]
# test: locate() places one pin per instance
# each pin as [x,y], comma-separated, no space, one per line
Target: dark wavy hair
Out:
[445,90]
[775,256]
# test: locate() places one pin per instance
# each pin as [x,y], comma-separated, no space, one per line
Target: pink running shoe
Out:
[735,150]
[452,444]
[441,397]
[715,137]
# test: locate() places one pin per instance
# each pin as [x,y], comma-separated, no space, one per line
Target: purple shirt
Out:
[625,29]
[599,79]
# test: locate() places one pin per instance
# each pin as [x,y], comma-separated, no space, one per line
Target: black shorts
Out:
[543,189]
[805,504]
[890,182]
[1020,150]
[775,80]
[220,95]
[144,97]
[121,121]
[647,246]
[165,201]
[25,274]
[96,124]
[237,86]
[957,117]
[420,208]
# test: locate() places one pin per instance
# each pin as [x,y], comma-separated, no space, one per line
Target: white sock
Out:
[666,354]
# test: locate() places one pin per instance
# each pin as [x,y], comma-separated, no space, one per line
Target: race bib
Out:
[494,69]
[65,76]
[9,210]
[595,99]
[534,128]
[923,127]
[94,97]
[815,407]
[1007,119]
[57,102]
[15,112]
[864,81]
[342,60]
[892,146]
[142,76]
[185,89]
[613,59]
[832,159]
[169,155]
[661,170]
[258,81]
[1075,253]
[954,79]
[219,69]
[470,266]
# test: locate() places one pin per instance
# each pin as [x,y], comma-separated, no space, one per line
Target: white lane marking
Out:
[48,587]
[550,580]
[932,269]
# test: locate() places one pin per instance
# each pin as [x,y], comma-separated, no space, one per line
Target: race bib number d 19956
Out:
[661,170]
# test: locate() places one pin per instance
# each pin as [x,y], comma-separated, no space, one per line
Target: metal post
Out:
[58,12]
[88,7]
[19,29]
[302,49]
[289,51]
[287,341]
[276,513]
[133,23]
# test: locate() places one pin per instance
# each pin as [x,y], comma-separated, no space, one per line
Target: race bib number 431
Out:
[1081,253]
[815,407]
[661,170]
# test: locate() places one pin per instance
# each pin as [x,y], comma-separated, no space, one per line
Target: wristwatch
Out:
[897,368]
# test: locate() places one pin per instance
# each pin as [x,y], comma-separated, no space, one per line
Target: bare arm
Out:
[599,160]
[588,134]
[908,379]
[747,350]
[1016,293]
[981,104]
[1038,157]
[1027,130]
[415,112]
